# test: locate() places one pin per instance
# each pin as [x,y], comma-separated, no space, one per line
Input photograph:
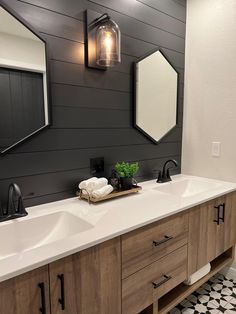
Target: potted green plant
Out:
[126,172]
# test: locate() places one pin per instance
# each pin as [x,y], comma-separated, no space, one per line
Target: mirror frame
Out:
[135,100]
[37,34]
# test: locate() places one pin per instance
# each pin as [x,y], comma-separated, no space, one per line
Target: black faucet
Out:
[15,206]
[164,175]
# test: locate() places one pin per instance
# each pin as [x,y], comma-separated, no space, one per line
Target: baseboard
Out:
[229,272]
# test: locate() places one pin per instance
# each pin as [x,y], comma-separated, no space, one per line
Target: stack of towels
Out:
[95,187]
[198,275]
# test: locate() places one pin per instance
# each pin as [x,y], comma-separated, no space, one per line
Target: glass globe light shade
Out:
[108,43]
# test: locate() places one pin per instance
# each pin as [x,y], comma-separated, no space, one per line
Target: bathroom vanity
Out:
[126,256]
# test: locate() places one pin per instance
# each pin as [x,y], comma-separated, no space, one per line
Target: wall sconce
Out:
[103,41]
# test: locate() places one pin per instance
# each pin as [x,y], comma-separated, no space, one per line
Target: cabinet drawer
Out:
[149,284]
[144,246]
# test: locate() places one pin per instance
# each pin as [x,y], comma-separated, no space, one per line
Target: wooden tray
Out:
[114,194]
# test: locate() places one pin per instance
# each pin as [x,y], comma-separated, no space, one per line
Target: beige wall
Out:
[210,89]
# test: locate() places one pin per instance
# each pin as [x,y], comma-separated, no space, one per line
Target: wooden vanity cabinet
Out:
[26,294]
[88,282]
[140,272]
[147,285]
[154,261]
[145,245]
[65,285]
[230,221]
[212,230]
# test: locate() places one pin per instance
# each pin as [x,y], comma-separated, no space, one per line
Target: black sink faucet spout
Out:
[15,206]
[15,201]
[164,175]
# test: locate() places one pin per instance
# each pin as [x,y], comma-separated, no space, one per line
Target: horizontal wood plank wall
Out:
[92,110]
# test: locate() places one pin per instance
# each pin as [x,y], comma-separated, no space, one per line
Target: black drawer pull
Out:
[61,300]
[163,280]
[42,309]
[218,213]
[166,239]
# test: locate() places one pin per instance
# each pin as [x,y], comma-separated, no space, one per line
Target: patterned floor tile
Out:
[216,296]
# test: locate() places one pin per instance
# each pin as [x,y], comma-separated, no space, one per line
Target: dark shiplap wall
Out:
[92,110]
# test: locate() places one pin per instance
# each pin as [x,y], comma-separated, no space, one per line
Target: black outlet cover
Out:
[97,166]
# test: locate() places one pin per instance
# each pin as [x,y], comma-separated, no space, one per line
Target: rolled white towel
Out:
[84,184]
[104,191]
[95,185]
[198,275]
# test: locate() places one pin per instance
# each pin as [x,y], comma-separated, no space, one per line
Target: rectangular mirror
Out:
[156,89]
[23,81]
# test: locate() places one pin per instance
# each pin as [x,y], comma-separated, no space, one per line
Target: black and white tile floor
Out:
[216,296]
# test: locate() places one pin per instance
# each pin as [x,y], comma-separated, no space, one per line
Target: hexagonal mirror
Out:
[156,89]
[23,81]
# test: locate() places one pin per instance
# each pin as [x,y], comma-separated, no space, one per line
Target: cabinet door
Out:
[92,281]
[26,294]
[65,285]
[205,235]
[226,228]
[101,278]
[230,221]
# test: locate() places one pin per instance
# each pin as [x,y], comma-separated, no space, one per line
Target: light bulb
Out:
[108,42]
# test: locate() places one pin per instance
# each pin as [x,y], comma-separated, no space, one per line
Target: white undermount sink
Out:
[187,187]
[18,236]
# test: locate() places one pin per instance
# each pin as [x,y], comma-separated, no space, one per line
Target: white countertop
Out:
[106,221]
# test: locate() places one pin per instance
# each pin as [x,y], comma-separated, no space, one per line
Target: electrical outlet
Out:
[97,167]
[215,149]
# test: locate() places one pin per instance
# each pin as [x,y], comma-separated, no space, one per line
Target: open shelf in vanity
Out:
[178,294]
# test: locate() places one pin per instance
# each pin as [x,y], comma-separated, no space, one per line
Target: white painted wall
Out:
[210,89]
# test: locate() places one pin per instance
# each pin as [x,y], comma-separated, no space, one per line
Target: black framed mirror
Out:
[156,96]
[24,91]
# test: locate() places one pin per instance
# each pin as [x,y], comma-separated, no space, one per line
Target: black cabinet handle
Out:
[166,239]
[61,300]
[223,212]
[163,280]
[218,213]
[42,309]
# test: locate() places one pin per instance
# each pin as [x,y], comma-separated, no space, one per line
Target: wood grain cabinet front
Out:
[26,294]
[88,282]
[230,221]
[146,245]
[129,273]
[212,230]
[65,285]
[150,283]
